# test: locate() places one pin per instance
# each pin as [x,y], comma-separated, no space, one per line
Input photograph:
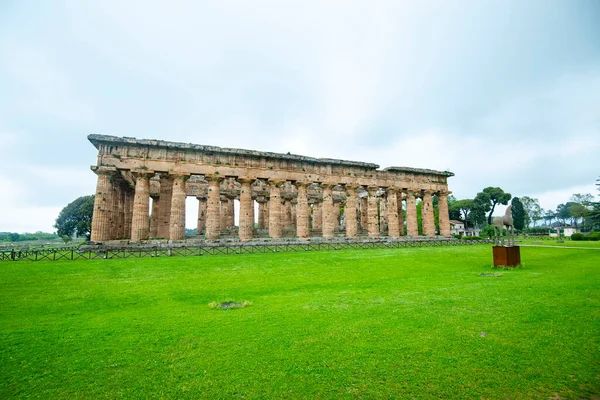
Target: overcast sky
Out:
[503,93]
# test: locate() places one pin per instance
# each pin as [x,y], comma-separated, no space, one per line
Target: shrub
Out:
[471,238]
[456,236]
[595,236]
[577,236]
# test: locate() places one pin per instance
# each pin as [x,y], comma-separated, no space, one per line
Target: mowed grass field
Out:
[405,323]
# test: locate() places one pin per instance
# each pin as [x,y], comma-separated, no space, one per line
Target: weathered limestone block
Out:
[141,205]
[154,216]
[392,208]
[336,215]
[246,227]
[364,207]
[373,220]
[317,216]
[201,215]
[263,220]
[400,197]
[412,228]
[383,220]
[177,226]
[328,215]
[166,194]
[230,213]
[275,209]
[302,211]
[443,217]
[213,225]
[287,214]
[350,219]
[103,203]
[427,215]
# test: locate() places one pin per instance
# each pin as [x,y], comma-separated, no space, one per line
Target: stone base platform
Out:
[235,242]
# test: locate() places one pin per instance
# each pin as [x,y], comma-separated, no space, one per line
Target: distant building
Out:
[565,231]
[458,228]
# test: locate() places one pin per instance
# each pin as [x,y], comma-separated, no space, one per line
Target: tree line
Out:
[580,211]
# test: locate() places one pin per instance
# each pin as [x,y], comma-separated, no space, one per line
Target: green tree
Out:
[580,207]
[453,213]
[562,213]
[549,216]
[490,197]
[518,213]
[76,217]
[465,208]
[533,211]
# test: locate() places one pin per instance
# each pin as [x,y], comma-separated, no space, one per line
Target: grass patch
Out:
[398,323]
[229,304]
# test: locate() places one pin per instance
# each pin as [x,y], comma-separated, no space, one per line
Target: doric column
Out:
[328,216]
[154,216]
[364,213]
[177,225]
[287,214]
[443,216]
[412,228]
[400,197]
[230,213]
[336,216]
[263,220]
[275,208]
[213,226]
[294,211]
[103,202]
[302,210]
[223,207]
[164,214]
[317,216]
[350,219]
[427,214]
[117,214]
[128,211]
[141,206]
[201,214]
[383,219]
[372,223]
[246,210]
[392,210]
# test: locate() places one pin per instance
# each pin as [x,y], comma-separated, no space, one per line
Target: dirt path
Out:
[560,247]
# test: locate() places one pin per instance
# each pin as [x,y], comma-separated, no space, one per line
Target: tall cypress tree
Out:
[518,213]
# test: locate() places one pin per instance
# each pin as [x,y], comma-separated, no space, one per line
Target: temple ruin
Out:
[143,185]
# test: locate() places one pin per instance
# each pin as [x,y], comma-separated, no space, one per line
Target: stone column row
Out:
[119,212]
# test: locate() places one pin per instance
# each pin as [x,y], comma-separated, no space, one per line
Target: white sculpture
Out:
[500,223]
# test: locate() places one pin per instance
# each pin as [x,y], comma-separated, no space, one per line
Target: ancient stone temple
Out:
[143,185]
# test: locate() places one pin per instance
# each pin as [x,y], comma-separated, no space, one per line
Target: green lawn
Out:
[406,323]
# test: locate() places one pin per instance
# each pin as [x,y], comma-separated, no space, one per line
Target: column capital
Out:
[213,178]
[372,189]
[245,179]
[302,183]
[141,173]
[276,182]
